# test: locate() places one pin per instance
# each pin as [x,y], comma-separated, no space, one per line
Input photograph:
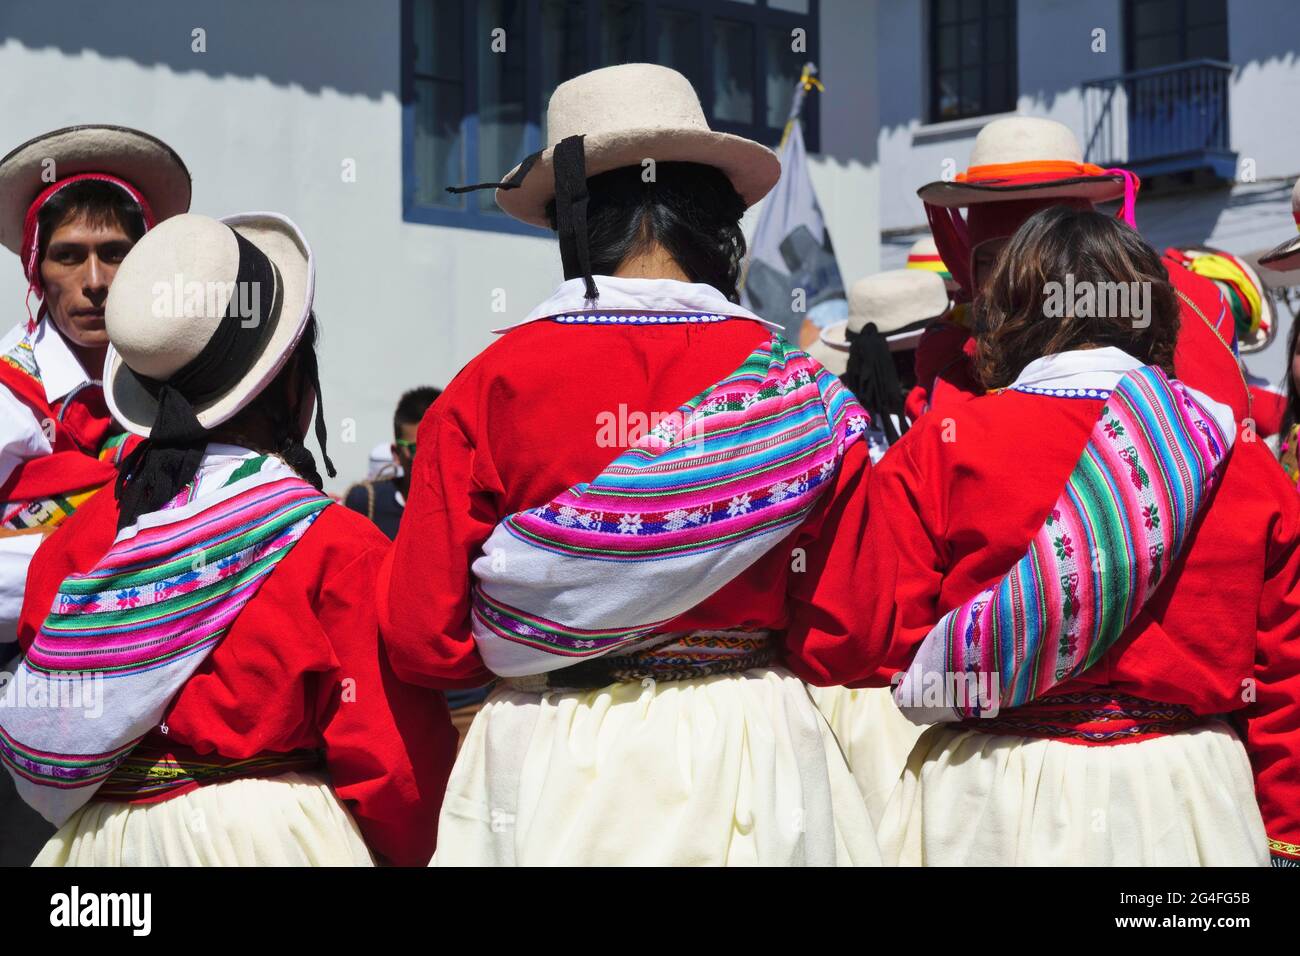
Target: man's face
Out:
[79,264]
[404,449]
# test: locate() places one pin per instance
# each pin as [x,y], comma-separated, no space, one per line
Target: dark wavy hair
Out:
[689,209]
[1014,319]
[1292,413]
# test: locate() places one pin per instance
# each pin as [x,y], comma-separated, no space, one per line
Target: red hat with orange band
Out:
[1019,158]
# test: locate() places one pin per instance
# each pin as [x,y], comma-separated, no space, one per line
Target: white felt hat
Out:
[1024,140]
[1286,256]
[156,325]
[627,114]
[147,163]
[833,359]
[900,303]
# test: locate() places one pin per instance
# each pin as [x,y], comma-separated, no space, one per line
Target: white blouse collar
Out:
[58,366]
[1078,369]
[1093,373]
[619,294]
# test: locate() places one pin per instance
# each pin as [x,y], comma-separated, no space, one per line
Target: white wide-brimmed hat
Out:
[1286,256]
[627,114]
[1025,157]
[148,164]
[900,303]
[172,291]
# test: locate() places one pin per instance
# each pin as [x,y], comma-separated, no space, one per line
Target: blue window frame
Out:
[471,112]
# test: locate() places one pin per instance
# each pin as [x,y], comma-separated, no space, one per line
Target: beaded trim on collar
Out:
[1061,392]
[635,318]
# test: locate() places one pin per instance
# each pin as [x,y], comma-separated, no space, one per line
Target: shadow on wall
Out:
[317,46]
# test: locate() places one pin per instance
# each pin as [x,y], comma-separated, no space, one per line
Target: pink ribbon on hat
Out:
[31,245]
[1128,210]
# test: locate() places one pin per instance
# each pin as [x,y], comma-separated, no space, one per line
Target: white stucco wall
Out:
[1055,56]
[265,120]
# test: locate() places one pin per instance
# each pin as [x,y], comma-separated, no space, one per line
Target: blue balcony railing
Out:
[1169,119]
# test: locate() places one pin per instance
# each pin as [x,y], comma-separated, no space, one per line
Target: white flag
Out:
[792,272]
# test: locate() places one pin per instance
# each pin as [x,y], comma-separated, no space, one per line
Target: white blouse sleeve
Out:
[21,435]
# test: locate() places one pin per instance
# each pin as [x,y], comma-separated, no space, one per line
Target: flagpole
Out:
[807,81]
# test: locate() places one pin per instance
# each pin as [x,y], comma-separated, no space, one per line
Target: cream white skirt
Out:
[873,733]
[727,770]
[974,799]
[293,819]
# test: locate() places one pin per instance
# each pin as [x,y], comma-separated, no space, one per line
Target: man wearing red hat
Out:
[72,203]
[1018,166]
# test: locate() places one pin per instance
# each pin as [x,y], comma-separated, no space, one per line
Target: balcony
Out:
[1170,119]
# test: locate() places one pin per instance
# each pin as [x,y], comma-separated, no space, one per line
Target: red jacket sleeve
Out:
[389,746]
[911,531]
[841,591]
[424,585]
[1273,718]
[80,540]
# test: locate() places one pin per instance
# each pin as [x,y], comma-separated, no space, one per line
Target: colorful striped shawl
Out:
[1148,468]
[122,638]
[686,509]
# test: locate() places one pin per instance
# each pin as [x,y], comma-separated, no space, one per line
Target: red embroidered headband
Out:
[31,244]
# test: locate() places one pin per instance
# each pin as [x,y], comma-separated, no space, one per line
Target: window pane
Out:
[678,43]
[1154,16]
[997,8]
[972,9]
[439,108]
[501,78]
[947,11]
[784,67]
[971,44]
[620,32]
[733,71]
[437,40]
[949,102]
[998,92]
[794,6]
[947,47]
[972,92]
[564,47]
[1205,12]
[996,50]
[1207,42]
[1156,51]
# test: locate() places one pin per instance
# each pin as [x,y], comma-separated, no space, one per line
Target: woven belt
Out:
[1096,717]
[153,772]
[679,657]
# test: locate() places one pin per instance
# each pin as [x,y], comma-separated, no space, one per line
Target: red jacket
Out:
[276,682]
[964,494]
[531,416]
